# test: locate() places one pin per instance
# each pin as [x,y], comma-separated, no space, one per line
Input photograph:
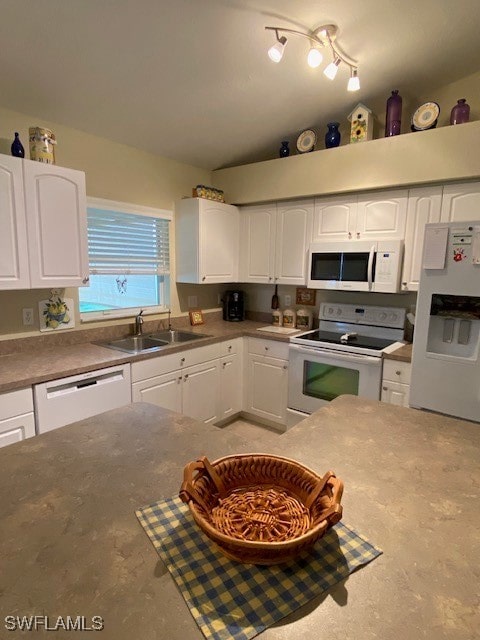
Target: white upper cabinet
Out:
[274,242]
[461,202]
[382,215]
[351,217]
[334,218]
[43,227]
[424,206]
[257,243]
[14,273]
[207,241]
[55,201]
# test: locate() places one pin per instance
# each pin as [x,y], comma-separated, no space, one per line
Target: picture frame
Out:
[196,317]
[306,296]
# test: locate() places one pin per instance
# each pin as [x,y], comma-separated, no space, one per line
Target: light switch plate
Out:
[288,300]
[27,315]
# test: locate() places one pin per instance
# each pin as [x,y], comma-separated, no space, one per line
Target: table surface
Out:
[71,544]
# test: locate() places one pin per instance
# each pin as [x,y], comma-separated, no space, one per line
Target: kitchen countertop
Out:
[41,364]
[403,353]
[71,544]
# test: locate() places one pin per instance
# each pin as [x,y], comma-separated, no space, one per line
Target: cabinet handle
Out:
[399,373]
[186,377]
[267,348]
[358,235]
[350,235]
[86,279]
[204,278]
[182,360]
[385,388]
[179,378]
[224,364]
[229,347]
[404,284]
[270,277]
[285,366]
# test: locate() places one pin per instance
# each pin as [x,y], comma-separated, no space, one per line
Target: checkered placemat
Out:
[229,600]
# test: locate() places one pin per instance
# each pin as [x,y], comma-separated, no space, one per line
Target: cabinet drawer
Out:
[397,371]
[271,348]
[229,347]
[161,364]
[16,403]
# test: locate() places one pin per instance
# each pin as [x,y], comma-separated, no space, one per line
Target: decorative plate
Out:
[306,141]
[425,117]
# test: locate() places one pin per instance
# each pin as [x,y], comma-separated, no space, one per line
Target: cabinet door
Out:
[334,218]
[13,230]
[424,206]
[200,391]
[219,231]
[56,225]
[382,215]
[293,233]
[16,429]
[164,391]
[230,386]
[267,388]
[257,243]
[395,393]
[461,202]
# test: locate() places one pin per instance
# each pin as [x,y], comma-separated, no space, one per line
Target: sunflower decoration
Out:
[56,312]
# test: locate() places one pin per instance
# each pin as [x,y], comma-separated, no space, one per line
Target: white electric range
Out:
[342,356]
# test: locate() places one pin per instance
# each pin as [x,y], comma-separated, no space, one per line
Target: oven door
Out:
[317,376]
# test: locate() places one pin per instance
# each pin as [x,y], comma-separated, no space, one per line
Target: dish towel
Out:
[230,600]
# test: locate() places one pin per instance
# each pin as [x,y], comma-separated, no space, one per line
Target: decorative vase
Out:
[393,118]
[460,112]
[17,147]
[332,137]
[284,150]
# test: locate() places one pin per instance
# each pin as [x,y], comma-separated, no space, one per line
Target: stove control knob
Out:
[383,316]
[330,311]
[339,312]
[393,316]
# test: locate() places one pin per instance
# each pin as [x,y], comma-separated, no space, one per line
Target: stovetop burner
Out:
[330,337]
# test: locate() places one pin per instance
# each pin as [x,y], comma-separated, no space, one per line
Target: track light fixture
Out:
[323,37]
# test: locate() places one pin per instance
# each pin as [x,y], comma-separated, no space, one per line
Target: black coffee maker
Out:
[233,306]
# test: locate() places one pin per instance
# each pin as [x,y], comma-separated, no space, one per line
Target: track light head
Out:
[332,68]
[275,53]
[314,58]
[353,81]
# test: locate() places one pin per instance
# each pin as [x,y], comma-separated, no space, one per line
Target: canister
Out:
[304,319]
[277,318]
[289,317]
[42,145]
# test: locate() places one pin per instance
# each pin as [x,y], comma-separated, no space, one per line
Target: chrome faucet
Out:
[139,324]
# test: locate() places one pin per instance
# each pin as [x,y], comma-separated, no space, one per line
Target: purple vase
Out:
[393,118]
[460,112]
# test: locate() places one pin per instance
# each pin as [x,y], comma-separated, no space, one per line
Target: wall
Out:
[116,172]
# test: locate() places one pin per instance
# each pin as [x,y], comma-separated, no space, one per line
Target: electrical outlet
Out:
[288,300]
[192,302]
[27,316]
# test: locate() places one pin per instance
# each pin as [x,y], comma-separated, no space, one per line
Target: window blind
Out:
[127,243]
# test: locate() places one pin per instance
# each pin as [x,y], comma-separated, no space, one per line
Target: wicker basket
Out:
[259,508]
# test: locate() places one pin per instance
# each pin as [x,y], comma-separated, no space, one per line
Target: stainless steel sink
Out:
[136,344]
[174,336]
[152,342]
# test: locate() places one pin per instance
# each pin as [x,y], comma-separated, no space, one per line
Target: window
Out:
[129,257]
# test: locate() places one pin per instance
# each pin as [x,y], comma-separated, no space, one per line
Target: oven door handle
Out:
[338,355]
[370,267]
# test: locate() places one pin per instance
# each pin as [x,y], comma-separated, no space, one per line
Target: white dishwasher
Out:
[61,402]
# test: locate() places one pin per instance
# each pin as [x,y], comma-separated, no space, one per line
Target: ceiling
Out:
[190,79]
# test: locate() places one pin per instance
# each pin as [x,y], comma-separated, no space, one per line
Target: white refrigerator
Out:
[446,344]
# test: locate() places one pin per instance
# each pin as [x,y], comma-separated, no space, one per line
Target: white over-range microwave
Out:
[358,265]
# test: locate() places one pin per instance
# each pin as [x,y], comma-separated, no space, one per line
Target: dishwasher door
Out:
[61,402]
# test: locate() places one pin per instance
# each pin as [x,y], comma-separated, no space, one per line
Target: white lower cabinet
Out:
[267,381]
[205,383]
[16,416]
[396,382]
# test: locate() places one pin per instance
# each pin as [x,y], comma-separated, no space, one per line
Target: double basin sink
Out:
[152,342]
